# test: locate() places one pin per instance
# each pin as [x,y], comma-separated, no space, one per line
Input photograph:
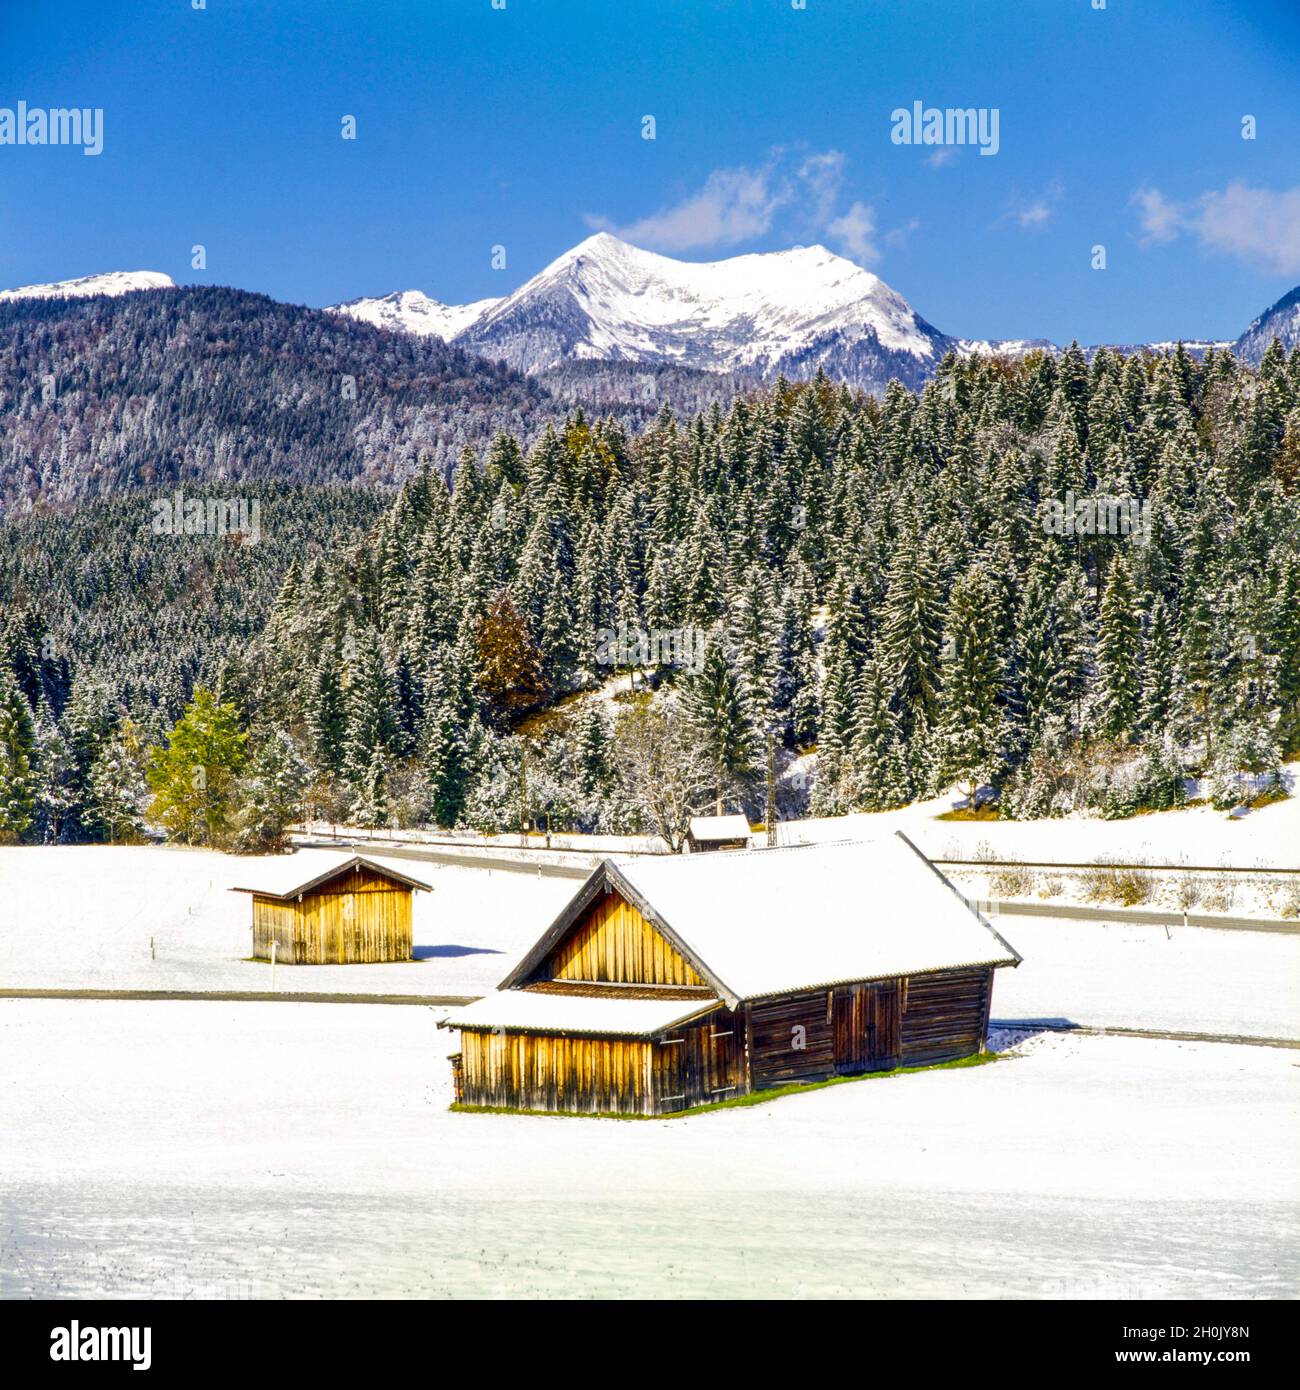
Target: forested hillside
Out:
[888,582]
[196,385]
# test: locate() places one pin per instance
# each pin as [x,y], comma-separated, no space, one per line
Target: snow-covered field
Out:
[242,1150]
[1195,835]
[1192,981]
[81,917]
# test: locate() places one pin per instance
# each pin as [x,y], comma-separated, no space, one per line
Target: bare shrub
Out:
[1114,883]
[1011,881]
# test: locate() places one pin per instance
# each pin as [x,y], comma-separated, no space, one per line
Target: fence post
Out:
[273,966]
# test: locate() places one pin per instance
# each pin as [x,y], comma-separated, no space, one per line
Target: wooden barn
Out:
[673,982]
[708,833]
[320,910]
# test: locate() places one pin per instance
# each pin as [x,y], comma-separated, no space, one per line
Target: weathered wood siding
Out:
[612,941]
[875,1026]
[791,1039]
[359,919]
[700,1064]
[530,1071]
[946,1015]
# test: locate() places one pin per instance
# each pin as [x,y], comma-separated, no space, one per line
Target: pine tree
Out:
[19,778]
[972,733]
[715,701]
[880,777]
[446,749]
[1157,671]
[1042,679]
[1119,653]
[370,807]
[910,638]
[116,796]
[370,706]
[271,794]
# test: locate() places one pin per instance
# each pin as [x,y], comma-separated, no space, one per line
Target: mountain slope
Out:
[206,384]
[784,311]
[114,282]
[1281,320]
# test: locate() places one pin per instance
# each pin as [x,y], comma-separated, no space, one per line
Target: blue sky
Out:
[522,127]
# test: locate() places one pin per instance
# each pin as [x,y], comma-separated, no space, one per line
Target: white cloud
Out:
[1158,216]
[1257,225]
[821,176]
[854,231]
[792,191]
[1036,211]
[943,156]
[734,205]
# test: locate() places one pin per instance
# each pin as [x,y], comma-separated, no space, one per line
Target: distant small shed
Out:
[326,911]
[707,833]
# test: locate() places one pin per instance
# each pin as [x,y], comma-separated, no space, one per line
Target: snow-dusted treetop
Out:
[114,282]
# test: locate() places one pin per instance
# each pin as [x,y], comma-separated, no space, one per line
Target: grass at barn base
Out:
[978,1059]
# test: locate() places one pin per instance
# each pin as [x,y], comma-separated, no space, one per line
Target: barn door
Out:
[883,1014]
[850,1029]
[867,1027]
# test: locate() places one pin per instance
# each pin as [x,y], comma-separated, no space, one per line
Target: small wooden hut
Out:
[708,833]
[672,982]
[327,911]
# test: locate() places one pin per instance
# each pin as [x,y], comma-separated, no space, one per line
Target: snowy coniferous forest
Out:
[1058,584]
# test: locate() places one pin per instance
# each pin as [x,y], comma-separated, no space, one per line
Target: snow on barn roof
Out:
[734,827]
[774,921]
[536,1012]
[309,869]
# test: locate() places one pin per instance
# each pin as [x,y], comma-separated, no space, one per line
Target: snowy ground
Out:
[254,1150]
[1189,981]
[82,918]
[1195,835]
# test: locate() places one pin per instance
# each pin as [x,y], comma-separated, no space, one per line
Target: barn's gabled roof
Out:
[531,1011]
[310,870]
[707,828]
[775,921]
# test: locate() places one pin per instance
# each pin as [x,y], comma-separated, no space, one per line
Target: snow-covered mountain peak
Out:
[412,311]
[113,282]
[763,312]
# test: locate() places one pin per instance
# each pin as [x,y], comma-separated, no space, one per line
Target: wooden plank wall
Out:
[276,921]
[945,1015]
[612,941]
[529,1071]
[360,919]
[791,1039]
[700,1064]
[868,1027]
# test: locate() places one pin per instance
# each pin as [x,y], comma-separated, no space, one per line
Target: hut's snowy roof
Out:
[535,1011]
[774,921]
[719,827]
[310,868]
